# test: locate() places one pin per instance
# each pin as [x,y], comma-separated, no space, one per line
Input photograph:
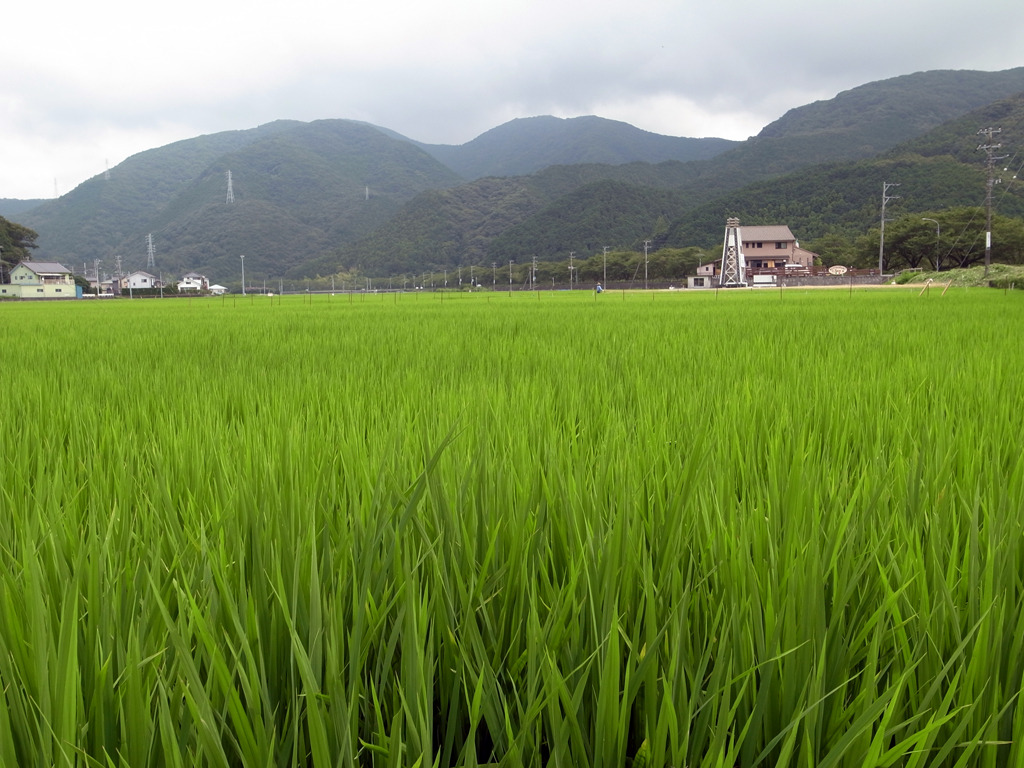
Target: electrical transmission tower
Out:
[150,255]
[734,264]
[231,189]
[990,160]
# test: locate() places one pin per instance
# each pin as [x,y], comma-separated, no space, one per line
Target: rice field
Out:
[674,529]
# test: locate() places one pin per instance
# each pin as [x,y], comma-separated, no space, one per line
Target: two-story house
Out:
[138,281]
[763,247]
[773,247]
[40,280]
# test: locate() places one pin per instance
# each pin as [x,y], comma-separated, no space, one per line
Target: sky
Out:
[83,86]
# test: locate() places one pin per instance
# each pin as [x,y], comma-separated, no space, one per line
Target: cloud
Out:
[116,77]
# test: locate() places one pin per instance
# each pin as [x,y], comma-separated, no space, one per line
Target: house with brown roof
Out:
[763,248]
[773,247]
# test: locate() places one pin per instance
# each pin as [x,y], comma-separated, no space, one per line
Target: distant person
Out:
[599,289]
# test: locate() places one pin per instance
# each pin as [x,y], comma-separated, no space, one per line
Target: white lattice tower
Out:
[734,265]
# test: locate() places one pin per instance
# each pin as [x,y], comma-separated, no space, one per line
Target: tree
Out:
[947,239]
[15,240]
[834,249]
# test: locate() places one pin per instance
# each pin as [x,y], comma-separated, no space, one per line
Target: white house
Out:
[193,281]
[139,281]
[218,290]
[40,280]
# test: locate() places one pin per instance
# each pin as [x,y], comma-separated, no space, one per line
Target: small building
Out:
[218,290]
[700,281]
[193,281]
[40,280]
[139,280]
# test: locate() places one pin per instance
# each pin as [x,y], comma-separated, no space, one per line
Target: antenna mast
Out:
[231,189]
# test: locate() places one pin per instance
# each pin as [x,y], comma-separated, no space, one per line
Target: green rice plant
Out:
[682,529]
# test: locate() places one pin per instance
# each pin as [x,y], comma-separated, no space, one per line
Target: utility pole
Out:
[990,160]
[571,254]
[886,197]
[605,264]
[647,245]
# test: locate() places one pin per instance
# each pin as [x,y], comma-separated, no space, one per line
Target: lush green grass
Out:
[999,276]
[689,529]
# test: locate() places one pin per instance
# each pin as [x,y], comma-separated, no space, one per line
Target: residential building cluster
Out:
[50,280]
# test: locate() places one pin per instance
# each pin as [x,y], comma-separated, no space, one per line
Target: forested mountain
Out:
[299,189]
[343,196]
[867,121]
[940,169]
[10,207]
[528,144]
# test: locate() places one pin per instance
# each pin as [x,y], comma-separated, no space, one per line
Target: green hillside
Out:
[490,219]
[13,207]
[865,122]
[104,216]
[604,213]
[526,145]
[299,189]
[889,112]
[941,169]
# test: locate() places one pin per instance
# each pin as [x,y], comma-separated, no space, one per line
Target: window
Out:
[780,246]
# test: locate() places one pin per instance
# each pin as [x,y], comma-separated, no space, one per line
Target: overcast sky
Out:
[87,84]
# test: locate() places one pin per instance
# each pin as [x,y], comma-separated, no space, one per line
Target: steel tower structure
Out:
[734,265]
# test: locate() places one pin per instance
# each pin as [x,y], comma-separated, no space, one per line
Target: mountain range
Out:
[343,197]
